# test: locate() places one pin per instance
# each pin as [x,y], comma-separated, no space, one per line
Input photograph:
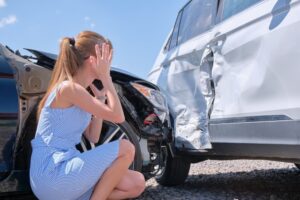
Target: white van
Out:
[230,70]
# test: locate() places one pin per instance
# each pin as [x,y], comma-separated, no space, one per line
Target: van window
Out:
[197,17]
[232,7]
[173,41]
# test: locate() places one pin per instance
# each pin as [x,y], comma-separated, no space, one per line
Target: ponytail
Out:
[66,65]
[70,59]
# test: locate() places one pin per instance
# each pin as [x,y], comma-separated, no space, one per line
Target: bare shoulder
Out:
[70,86]
[71,91]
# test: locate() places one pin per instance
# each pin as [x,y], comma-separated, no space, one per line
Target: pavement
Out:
[234,179]
[228,180]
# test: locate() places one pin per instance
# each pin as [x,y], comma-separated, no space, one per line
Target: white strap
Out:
[53,94]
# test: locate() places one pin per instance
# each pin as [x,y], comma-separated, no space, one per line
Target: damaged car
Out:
[230,72]
[23,82]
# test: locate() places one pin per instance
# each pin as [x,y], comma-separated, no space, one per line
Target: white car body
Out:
[242,75]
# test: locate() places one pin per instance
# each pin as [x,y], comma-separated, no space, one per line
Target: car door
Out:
[179,73]
[256,73]
[22,83]
[8,116]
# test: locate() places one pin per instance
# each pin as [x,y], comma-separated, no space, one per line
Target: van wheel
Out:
[297,165]
[174,172]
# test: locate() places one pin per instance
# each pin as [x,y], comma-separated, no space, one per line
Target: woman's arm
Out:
[93,131]
[79,96]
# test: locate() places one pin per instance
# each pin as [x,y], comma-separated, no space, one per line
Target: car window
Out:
[197,17]
[173,42]
[232,7]
[8,120]
[168,43]
[4,67]
[9,96]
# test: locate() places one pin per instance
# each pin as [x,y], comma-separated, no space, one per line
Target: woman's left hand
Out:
[96,92]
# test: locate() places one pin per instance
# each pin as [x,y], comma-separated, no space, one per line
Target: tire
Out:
[174,172]
[112,132]
[297,165]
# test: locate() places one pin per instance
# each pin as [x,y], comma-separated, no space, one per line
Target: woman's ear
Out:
[92,60]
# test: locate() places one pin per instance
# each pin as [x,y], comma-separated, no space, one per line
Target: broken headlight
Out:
[156,98]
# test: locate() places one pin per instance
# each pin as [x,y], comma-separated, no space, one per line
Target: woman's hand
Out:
[104,57]
[96,92]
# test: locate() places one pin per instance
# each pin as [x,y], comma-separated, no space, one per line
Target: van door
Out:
[256,71]
[180,74]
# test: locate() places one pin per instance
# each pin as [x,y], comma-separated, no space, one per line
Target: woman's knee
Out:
[127,149]
[140,183]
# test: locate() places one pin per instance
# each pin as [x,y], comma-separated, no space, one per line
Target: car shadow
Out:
[257,184]
[286,180]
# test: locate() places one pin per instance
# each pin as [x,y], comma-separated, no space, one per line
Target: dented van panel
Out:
[188,99]
[244,67]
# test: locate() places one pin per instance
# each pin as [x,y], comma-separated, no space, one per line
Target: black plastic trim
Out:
[250,119]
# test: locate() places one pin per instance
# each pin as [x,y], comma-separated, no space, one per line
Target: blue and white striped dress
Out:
[57,169]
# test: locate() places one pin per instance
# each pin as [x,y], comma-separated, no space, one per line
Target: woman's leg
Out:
[131,185]
[113,175]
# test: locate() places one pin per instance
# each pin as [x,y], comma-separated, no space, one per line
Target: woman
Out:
[58,170]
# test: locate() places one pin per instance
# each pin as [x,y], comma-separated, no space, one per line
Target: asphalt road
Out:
[232,180]
[235,180]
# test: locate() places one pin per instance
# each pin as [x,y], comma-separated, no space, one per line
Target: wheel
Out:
[174,172]
[297,165]
[111,132]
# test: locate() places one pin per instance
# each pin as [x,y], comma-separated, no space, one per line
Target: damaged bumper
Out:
[150,115]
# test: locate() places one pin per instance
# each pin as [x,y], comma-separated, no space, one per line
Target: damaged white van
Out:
[230,71]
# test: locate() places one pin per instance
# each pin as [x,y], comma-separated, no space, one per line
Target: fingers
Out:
[106,53]
[110,55]
[93,88]
[96,91]
[103,54]
[103,51]
[98,52]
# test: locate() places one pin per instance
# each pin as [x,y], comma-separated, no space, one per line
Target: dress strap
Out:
[53,94]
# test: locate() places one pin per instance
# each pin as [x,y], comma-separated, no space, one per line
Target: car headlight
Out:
[156,98]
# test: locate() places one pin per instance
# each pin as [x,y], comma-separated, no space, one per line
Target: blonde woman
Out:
[57,169]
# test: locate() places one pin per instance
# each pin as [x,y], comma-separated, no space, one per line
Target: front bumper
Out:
[147,108]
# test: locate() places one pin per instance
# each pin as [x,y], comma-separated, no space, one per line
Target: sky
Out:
[137,28]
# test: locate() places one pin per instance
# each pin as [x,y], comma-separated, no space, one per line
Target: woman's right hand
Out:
[104,57]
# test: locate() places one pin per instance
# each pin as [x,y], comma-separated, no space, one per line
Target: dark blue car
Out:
[23,82]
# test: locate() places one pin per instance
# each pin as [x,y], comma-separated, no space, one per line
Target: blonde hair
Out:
[71,57]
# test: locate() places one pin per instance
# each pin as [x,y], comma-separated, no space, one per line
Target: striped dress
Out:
[57,169]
